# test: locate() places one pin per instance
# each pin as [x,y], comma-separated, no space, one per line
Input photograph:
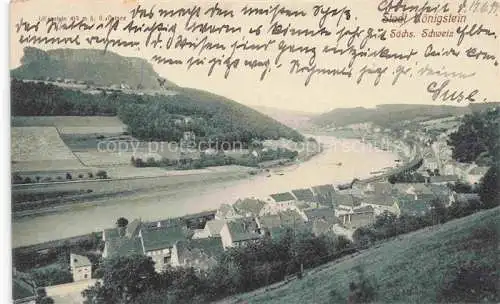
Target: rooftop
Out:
[282,197]
[346,199]
[133,228]
[319,213]
[123,246]
[381,200]
[201,252]
[79,260]
[364,209]
[249,205]
[304,195]
[215,226]
[242,230]
[162,237]
[443,178]
[479,170]
[418,188]
[323,189]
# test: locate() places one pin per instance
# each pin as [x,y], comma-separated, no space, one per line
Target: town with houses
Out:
[320,209]
[73,180]
[197,240]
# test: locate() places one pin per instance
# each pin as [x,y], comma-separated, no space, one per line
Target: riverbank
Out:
[74,193]
[178,201]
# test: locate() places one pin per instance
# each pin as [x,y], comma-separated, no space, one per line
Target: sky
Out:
[282,90]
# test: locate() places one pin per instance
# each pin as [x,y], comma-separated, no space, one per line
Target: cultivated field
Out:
[38,148]
[73,124]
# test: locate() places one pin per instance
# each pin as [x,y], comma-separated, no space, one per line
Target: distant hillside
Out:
[293,119]
[420,267]
[88,65]
[158,117]
[386,115]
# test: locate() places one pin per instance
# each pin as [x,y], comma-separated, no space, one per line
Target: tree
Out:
[489,189]
[102,174]
[68,176]
[121,222]
[124,279]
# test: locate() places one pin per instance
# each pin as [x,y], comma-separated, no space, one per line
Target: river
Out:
[358,160]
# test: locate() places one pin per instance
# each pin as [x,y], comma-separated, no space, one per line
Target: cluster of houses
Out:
[321,210]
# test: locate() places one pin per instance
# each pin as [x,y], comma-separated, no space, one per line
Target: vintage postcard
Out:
[255,151]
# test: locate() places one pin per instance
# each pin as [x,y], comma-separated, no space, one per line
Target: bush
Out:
[102,174]
[69,176]
[17,179]
[27,180]
[59,178]
[51,276]
[471,283]
[90,175]
[363,290]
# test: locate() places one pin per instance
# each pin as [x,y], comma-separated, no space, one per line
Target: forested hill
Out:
[153,117]
[386,115]
[88,65]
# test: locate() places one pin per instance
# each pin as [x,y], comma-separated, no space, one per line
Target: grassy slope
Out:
[409,269]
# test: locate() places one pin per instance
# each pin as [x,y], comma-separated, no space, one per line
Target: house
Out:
[305,195]
[239,232]
[321,220]
[188,140]
[285,219]
[210,152]
[474,175]
[417,190]
[323,194]
[324,213]
[349,198]
[122,240]
[279,202]
[359,217]
[340,230]
[212,229]
[442,193]
[201,254]
[381,203]
[81,267]
[158,243]
[249,207]
[152,239]
[227,212]
[452,167]
[378,188]
[192,221]
[443,179]
[430,163]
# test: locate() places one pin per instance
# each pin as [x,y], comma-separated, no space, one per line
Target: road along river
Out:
[357,160]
